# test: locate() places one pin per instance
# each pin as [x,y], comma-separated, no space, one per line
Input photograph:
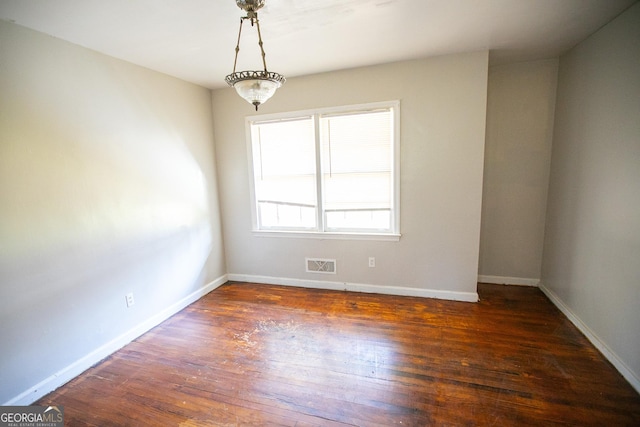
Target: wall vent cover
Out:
[317,265]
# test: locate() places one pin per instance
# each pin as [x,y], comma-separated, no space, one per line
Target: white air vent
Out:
[317,265]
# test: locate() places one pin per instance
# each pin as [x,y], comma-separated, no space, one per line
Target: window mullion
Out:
[319,192]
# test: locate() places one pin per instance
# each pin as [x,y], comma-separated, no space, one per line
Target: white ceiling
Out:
[195,39]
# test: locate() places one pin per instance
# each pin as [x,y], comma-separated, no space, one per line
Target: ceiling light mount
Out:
[256,87]
[250,6]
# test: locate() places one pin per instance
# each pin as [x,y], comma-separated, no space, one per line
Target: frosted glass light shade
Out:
[256,91]
[256,87]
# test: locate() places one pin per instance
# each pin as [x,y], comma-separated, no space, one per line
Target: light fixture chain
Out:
[264,60]
[235,61]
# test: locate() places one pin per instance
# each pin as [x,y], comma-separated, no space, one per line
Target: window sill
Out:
[387,237]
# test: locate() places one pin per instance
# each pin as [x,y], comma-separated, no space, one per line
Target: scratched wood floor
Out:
[250,354]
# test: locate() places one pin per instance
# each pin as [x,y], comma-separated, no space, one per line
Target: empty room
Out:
[327,213]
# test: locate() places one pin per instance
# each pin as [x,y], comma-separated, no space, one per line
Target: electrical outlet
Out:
[130,300]
[372,261]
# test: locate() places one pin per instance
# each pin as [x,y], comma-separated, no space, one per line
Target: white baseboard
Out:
[358,287]
[79,366]
[626,372]
[504,280]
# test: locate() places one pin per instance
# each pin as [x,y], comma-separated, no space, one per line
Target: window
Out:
[332,171]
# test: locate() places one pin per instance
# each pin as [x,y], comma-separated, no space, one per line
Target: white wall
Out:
[107,186]
[443,110]
[591,260]
[520,110]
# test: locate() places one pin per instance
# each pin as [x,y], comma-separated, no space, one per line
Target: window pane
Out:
[284,173]
[331,170]
[358,220]
[357,170]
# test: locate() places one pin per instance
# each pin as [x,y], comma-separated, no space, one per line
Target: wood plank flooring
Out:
[249,354]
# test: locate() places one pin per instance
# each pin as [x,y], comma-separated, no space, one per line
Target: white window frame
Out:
[393,235]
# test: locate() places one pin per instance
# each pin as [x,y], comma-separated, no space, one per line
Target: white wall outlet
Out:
[372,261]
[130,300]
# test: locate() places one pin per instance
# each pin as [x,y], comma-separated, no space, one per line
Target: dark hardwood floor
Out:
[250,354]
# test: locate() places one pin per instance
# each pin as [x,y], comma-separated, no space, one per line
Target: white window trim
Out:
[394,235]
[328,235]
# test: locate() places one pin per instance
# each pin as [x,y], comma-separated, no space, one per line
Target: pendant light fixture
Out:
[256,87]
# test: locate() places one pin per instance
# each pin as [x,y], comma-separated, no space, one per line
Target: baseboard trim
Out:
[79,366]
[624,370]
[505,280]
[358,287]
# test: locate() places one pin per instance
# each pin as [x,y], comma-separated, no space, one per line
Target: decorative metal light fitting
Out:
[256,87]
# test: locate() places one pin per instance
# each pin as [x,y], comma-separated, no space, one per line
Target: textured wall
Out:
[107,186]
[443,110]
[520,110]
[592,238]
